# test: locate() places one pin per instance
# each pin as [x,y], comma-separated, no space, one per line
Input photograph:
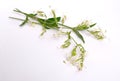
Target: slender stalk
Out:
[65,26]
[74,40]
[22,20]
[16,18]
[38,23]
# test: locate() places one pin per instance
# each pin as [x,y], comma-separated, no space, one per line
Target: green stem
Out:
[65,26]
[74,40]
[17,10]
[38,23]
[16,18]
[22,20]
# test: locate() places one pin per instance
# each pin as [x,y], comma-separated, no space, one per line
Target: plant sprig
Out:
[55,22]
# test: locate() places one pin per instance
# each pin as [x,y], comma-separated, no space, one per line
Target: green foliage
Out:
[49,23]
[77,55]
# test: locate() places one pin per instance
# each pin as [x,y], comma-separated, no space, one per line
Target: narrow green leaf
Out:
[48,23]
[31,15]
[25,21]
[78,34]
[53,19]
[51,23]
[42,22]
[92,25]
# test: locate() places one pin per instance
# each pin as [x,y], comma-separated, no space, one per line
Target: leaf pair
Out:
[49,23]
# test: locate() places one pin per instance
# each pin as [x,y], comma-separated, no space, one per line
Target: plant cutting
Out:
[78,52]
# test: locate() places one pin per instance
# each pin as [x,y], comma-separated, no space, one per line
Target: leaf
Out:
[92,25]
[31,15]
[53,19]
[25,21]
[42,22]
[51,22]
[78,34]
[74,51]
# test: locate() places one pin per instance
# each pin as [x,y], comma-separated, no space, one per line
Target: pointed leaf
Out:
[53,19]
[25,21]
[92,25]
[52,23]
[78,34]
[31,15]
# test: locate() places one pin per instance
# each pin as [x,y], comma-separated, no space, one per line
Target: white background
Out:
[24,56]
